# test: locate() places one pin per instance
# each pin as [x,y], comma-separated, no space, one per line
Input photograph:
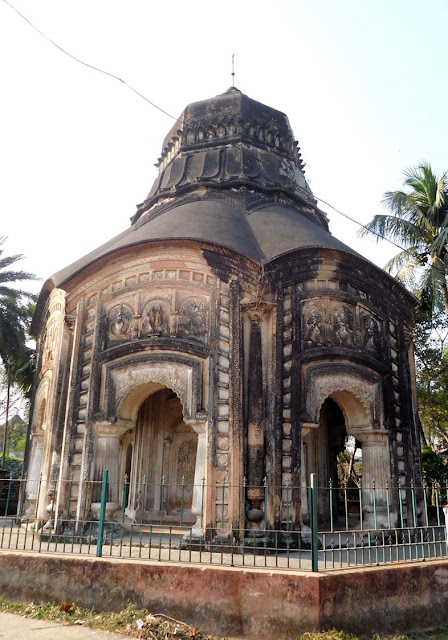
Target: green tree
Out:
[418,221]
[431,359]
[14,307]
[15,313]
[435,467]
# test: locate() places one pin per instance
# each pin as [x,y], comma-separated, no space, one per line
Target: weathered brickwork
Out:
[225,341]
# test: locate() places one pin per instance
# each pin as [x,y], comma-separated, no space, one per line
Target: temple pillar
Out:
[107,456]
[198,502]
[255,430]
[33,476]
[375,476]
[32,483]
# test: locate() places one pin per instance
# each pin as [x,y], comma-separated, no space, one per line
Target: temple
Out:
[221,349]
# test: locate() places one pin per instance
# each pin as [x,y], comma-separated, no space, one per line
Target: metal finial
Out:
[233,70]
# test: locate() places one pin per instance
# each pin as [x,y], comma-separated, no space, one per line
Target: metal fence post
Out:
[313,523]
[9,493]
[99,541]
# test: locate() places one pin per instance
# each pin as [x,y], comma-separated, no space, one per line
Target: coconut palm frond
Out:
[400,260]
[407,275]
[430,285]
[405,265]
[14,276]
[401,205]
[15,293]
[418,222]
[396,229]
[441,192]
[7,261]
[15,307]
[440,242]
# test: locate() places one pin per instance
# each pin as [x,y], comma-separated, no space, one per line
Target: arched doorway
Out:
[345,426]
[159,457]
[322,446]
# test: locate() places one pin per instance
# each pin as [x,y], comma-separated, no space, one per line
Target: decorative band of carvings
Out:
[156,343]
[222,435]
[156,275]
[287,340]
[86,352]
[191,278]
[394,347]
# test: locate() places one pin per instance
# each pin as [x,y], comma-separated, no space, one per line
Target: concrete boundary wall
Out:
[239,601]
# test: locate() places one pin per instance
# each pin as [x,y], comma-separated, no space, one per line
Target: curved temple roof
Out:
[230,174]
[263,234]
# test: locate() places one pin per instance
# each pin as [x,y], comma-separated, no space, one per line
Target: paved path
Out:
[13,627]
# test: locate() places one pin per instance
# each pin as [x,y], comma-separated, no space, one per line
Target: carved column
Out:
[75,325]
[375,475]
[255,430]
[107,456]
[198,503]
[32,483]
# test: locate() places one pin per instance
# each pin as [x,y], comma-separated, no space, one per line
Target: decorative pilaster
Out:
[107,456]
[197,507]
[32,483]
[74,323]
[375,476]
[255,461]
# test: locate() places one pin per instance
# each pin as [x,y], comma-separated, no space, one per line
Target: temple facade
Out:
[222,348]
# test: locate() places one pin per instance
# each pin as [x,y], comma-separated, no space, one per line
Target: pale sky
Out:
[362,81]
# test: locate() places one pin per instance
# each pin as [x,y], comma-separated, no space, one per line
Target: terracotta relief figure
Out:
[119,321]
[313,331]
[49,343]
[371,333]
[343,326]
[156,321]
[193,320]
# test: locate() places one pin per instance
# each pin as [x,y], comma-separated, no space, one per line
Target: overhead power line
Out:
[155,106]
[86,64]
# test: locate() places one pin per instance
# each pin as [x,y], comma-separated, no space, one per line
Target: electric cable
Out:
[155,106]
[86,64]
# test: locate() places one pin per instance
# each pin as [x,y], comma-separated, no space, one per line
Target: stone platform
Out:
[237,601]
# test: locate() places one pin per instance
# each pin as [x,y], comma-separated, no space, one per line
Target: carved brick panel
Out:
[328,322]
[167,313]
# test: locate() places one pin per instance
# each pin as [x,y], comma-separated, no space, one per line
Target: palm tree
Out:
[8,276]
[15,314]
[418,222]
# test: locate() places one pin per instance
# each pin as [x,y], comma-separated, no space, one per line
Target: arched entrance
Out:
[156,435]
[159,457]
[344,418]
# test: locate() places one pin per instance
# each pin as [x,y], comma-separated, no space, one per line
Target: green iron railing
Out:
[330,527]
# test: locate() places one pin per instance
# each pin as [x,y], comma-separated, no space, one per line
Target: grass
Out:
[134,622]
[141,623]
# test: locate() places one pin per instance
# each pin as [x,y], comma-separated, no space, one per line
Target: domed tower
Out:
[221,348]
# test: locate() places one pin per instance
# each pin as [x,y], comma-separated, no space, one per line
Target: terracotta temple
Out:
[225,339]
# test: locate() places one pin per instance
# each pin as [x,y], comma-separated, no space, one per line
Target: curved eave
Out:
[47,288]
[262,235]
[351,257]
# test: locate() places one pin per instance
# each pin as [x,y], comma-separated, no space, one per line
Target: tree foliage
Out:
[431,358]
[16,309]
[435,467]
[417,220]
